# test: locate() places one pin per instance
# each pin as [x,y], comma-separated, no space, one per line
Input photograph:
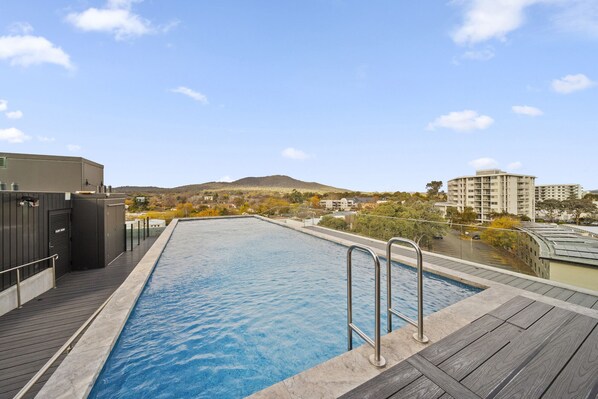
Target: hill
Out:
[265,183]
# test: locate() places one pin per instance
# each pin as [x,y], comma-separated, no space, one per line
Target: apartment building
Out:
[493,191]
[558,192]
[342,204]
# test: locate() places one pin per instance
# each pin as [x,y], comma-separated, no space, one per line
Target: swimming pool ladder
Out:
[419,336]
[376,359]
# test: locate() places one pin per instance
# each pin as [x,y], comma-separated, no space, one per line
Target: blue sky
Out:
[373,96]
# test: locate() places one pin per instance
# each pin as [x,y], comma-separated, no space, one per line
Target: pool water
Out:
[236,305]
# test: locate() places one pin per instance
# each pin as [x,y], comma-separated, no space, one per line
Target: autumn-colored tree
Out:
[209,212]
[501,233]
[314,201]
[184,210]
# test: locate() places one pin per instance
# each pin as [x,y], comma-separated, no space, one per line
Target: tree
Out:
[333,223]
[419,221]
[295,197]
[498,235]
[314,201]
[468,216]
[552,207]
[578,207]
[433,188]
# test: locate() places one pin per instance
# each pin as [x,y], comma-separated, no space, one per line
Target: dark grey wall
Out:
[98,230]
[50,173]
[24,232]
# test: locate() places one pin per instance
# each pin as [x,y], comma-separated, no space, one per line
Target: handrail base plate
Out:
[424,339]
[378,363]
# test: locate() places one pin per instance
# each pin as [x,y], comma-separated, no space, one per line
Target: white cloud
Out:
[13,135]
[570,83]
[462,121]
[293,153]
[225,179]
[490,19]
[20,28]
[191,93]
[579,16]
[527,110]
[31,50]
[484,163]
[14,115]
[3,105]
[514,166]
[478,55]
[116,19]
[45,139]
[73,147]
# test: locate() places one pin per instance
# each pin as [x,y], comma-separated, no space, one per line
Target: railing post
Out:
[18,289]
[138,232]
[144,229]
[125,237]
[376,359]
[131,236]
[54,257]
[419,336]
[148,226]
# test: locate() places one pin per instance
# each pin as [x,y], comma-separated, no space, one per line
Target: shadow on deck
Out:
[30,336]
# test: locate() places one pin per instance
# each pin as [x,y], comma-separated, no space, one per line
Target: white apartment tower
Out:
[494,191]
[558,192]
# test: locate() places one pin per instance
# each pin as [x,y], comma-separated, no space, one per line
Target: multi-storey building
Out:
[343,204]
[493,191]
[558,192]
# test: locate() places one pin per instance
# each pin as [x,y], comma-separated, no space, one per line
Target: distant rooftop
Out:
[563,243]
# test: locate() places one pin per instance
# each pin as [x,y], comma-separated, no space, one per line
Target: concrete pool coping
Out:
[75,377]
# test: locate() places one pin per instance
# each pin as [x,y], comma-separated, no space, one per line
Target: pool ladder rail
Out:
[377,359]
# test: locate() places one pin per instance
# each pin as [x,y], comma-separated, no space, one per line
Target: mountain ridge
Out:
[267,183]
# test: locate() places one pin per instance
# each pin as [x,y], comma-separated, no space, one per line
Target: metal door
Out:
[60,240]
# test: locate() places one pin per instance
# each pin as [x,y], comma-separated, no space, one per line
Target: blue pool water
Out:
[236,305]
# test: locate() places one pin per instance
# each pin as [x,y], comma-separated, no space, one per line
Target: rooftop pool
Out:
[236,305]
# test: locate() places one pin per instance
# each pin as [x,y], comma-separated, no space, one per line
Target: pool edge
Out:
[76,375]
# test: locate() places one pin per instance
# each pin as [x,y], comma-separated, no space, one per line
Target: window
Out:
[2,162]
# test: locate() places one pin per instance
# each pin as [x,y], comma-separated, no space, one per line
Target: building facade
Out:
[558,192]
[342,204]
[30,172]
[493,191]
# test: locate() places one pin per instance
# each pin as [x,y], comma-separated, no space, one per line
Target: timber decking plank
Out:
[440,378]
[386,383]
[456,341]
[422,388]
[534,378]
[581,373]
[31,335]
[521,283]
[581,299]
[559,293]
[504,279]
[493,372]
[471,357]
[530,315]
[511,307]
[539,288]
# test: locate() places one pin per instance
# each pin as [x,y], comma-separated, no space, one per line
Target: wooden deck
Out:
[523,349]
[566,295]
[30,336]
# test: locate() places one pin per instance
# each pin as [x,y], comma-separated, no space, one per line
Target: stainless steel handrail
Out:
[419,336]
[53,257]
[63,348]
[376,359]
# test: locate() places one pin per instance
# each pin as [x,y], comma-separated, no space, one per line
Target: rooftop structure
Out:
[493,191]
[558,192]
[565,255]
[31,172]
